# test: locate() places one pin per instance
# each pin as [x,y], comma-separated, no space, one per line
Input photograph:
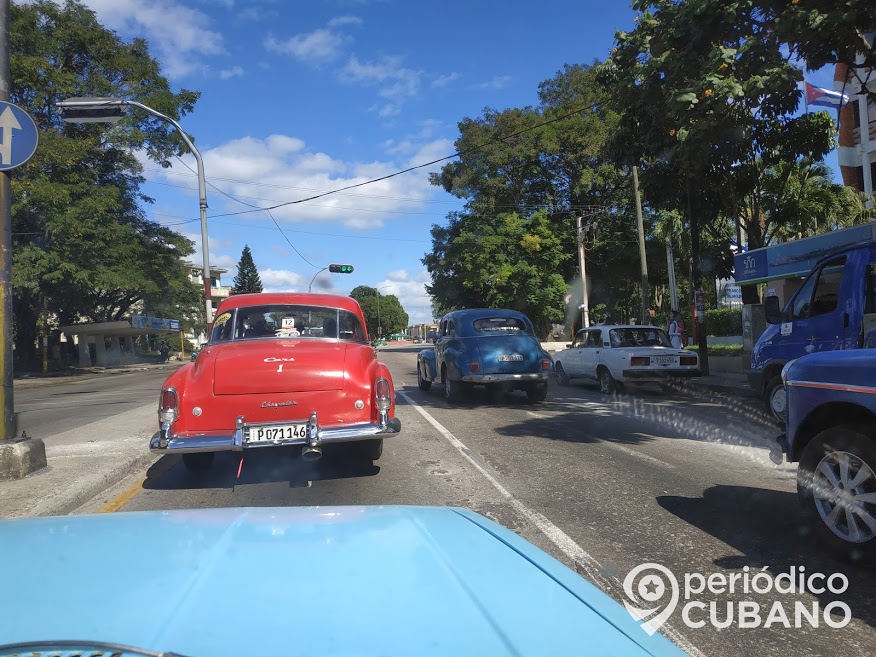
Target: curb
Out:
[82,496]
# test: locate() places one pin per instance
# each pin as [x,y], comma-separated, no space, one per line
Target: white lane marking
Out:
[537,416]
[575,553]
[646,457]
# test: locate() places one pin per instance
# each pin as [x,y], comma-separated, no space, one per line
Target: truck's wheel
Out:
[422,384]
[562,377]
[198,462]
[777,399]
[536,392]
[836,484]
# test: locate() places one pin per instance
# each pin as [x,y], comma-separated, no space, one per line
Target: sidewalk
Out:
[82,463]
[34,379]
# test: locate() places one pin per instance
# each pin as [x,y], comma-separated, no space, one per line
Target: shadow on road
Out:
[768,529]
[259,467]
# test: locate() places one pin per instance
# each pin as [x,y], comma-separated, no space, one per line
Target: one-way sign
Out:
[18,136]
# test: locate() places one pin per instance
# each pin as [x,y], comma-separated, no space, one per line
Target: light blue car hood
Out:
[328,581]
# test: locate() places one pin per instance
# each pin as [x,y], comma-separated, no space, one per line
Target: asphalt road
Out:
[602,483]
[48,407]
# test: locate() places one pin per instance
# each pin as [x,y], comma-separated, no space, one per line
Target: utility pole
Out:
[6,242]
[699,302]
[642,257]
[670,266]
[585,311]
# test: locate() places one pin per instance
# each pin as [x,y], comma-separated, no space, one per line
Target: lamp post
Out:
[110,110]
[310,287]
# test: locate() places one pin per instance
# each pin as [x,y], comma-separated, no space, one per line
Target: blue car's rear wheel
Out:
[453,390]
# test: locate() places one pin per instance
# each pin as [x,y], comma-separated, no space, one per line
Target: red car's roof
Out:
[328,300]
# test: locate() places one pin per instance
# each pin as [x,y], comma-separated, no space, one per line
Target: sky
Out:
[300,97]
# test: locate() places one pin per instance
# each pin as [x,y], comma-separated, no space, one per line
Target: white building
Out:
[218,292]
[857,128]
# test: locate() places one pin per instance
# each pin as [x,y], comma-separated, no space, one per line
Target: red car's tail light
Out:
[168,405]
[688,360]
[546,365]
[640,361]
[475,367]
[382,394]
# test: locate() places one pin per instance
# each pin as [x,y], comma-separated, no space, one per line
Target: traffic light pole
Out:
[310,287]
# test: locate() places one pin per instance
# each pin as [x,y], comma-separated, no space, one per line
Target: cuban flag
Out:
[824,97]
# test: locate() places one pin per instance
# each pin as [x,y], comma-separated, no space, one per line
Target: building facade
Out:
[857,128]
[218,292]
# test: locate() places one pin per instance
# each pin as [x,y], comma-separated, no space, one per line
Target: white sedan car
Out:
[614,355]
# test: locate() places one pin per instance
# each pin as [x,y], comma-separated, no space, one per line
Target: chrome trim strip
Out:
[504,378]
[842,387]
[165,442]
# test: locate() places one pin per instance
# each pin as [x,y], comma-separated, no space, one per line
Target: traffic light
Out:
[341,269]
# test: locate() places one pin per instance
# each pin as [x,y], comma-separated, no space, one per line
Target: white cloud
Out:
[280,168]
[411,292]
[321,45]
[233,72]
[497,82]
[282,280]
[444,80]
[178,35]
[340,21]
[397,82]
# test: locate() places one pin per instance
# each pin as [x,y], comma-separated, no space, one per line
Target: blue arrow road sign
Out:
[18,136]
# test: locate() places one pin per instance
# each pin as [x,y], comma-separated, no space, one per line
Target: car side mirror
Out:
[772,311]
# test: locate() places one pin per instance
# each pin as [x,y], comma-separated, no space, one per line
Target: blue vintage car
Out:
[329,581]
[831,432]
[489,347]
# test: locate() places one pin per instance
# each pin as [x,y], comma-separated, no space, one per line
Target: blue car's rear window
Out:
[504,324]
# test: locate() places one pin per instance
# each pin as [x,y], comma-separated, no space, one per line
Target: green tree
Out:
[81,239]
[526,173]
[383,312]
[247,279]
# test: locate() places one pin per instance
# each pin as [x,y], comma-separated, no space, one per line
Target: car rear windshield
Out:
[287,321]
[630,337]
[496,324]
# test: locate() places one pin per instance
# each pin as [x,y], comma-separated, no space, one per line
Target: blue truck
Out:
[834,309]
[831,434]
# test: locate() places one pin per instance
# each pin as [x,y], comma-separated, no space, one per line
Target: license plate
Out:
[665,360]
[510,358]
[277,432]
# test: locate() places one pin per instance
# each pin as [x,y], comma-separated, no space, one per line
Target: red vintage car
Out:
[280,370]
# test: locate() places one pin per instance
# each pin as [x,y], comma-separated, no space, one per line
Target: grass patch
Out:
[721,349]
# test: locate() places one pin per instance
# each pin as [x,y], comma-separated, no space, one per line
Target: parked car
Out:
[485,347]
[395,581]
[266,379]
[618,354]
[834,309]
[831,433]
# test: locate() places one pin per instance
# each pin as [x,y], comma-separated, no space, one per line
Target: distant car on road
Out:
[617,354]
[454,583]
[267,379]
[195,354]
[831,432]
[490,347]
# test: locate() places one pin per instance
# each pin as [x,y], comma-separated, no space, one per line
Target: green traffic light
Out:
[341,269]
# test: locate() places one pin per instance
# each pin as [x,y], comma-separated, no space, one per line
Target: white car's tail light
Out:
[640,361]
[688,360]
[382,394]
[168,406]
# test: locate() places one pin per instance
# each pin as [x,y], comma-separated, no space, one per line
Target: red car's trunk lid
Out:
[278,366]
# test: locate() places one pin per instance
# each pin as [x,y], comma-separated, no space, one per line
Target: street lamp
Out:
[110,110]
[379,327]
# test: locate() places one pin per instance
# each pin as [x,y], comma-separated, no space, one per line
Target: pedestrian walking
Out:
[676,330]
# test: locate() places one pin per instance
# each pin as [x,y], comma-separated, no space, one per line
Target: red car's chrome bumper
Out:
[165,441]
